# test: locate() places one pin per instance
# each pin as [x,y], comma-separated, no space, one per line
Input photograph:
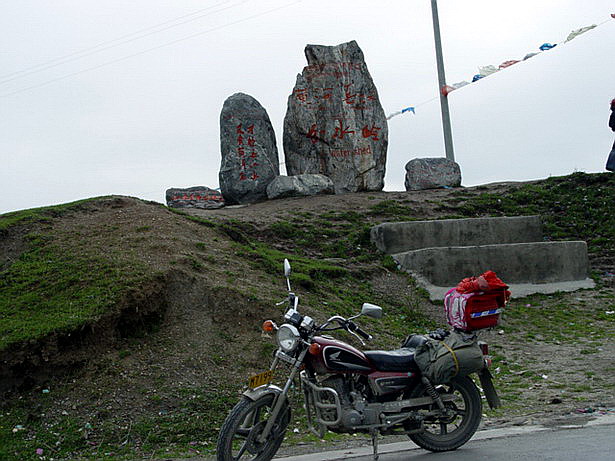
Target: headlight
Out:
[288,337]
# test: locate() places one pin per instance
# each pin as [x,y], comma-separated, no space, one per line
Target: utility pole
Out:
[446,117]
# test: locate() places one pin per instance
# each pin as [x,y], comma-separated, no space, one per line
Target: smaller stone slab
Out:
[397,237]
[301,185]
[432,173]
[194,197]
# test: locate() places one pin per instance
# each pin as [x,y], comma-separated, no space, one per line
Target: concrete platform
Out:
[534,267]
[518,290]
[440,253]
[534,262]
[398,237]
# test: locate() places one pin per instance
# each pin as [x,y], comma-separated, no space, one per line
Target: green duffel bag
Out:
[457,355]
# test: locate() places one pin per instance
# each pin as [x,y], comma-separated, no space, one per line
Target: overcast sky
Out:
[95,100]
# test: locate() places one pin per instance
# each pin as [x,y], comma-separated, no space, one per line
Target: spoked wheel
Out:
[241,431]
[445,432]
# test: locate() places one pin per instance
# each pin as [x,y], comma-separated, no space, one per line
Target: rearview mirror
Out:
[286,268]
[371,310]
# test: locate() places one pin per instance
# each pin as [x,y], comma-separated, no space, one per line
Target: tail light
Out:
[484,347]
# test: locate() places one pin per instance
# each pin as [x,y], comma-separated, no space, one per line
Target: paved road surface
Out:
[589,443]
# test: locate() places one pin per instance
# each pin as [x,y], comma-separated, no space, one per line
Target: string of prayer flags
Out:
[399,112]
[485,71]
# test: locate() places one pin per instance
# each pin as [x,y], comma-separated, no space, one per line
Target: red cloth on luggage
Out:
[487,281]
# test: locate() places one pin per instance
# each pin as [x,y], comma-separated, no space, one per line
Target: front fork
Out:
[281,397]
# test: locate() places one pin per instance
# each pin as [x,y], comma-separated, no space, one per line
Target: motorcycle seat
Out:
[397,360]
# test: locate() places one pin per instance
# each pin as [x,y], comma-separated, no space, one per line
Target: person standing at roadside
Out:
[610,163]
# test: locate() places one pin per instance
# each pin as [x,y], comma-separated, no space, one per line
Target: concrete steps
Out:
[441,253]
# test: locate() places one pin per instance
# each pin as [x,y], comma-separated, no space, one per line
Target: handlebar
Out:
[348,325]
[354,328]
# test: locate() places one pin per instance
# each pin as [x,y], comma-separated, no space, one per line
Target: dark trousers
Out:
[610,163]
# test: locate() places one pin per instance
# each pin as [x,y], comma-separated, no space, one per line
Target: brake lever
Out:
[281,302]
[356,336]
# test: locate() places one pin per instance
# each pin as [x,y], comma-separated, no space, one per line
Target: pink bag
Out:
[455,308]
[476,310]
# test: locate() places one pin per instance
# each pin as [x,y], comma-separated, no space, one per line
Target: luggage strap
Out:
[454,357]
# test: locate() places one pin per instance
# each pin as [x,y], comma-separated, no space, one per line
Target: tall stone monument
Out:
[334,123]
[249,151]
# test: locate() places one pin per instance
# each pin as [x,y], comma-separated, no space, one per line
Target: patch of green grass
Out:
[183,421]
[284,230]
[389,263]
[196,219]
[50,289]
[548,318]
[271,260]
[573,207]
[41,214]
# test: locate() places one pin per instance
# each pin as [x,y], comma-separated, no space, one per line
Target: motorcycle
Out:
[351,391]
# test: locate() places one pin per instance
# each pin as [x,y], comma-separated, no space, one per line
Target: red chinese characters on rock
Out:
[198,197]
[341,131]
[372,132]
[317,98]
[314,134]
[331,69]
[247,158]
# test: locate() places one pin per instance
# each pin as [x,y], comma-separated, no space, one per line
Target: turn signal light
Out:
[314,348]
[268,326]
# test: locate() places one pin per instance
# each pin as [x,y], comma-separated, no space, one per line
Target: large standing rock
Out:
[302,185]
[194,197]
[249,152]
[334,123]
[432,173]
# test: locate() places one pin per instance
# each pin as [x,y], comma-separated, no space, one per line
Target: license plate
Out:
[260,379]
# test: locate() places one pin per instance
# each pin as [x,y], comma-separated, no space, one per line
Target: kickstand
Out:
[375,443]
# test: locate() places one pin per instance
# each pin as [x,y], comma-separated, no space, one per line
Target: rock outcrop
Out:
[334,123]
[302,185]
[194,197]
[432,173]
[249,151]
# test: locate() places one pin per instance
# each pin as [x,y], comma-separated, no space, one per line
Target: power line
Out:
[72,74]
[112,43]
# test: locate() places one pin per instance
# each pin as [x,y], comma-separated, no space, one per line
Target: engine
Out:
[355,409]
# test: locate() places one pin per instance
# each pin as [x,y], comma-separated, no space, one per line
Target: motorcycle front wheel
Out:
[446,433]
[238,439]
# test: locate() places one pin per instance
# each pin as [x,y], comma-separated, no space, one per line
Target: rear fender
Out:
[486,382]
[257,393]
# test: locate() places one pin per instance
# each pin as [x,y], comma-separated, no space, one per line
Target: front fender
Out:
[258,392]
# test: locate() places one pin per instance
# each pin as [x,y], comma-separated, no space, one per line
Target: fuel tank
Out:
[333,356]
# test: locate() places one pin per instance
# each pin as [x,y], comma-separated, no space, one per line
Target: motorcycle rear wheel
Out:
[238,439]
[446,434]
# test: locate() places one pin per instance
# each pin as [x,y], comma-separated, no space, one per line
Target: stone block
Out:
[432,173]
[302,185]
